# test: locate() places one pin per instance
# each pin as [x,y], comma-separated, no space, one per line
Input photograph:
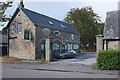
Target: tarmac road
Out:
[79,67]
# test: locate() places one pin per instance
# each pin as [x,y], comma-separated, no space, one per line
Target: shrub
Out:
[43,59]
[108,60]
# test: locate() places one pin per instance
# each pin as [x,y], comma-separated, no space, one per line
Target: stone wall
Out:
[64,36]
[99,43]
[18,47]
[119,45]
[112,45]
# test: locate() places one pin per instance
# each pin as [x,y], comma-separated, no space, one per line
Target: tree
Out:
[100,28]
[4,30]
[3,6]
[3,18]
[86,22]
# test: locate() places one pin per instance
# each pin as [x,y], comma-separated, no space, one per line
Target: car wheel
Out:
[74,56]
[65,56]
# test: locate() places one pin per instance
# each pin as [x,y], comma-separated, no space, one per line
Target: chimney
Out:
[21,4]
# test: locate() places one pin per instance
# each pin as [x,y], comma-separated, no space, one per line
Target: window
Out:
[26,34]
[65,46]
[50,22]
[69,46]
[56,47]
[56,33]
[76,46]
[42,46]
[19,27]
[13,28]
[72,36]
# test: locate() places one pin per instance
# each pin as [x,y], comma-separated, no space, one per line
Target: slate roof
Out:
[42,20]
[112,28]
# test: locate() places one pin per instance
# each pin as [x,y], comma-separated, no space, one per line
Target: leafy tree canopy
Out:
[87,22]
[3,6]
[3,18]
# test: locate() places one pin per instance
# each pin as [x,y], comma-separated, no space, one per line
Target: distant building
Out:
[3,44]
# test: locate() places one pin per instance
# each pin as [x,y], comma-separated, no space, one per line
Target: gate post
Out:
[48,49]
[99,43]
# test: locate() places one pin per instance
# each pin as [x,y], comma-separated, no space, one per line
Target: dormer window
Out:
[13,28]
[63,26]
[51,23]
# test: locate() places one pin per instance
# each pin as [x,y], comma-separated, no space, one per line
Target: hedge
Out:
[108,60]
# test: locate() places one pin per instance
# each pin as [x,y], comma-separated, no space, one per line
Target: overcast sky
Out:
[59,8]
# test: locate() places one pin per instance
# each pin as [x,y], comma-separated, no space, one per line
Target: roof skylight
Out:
[63,26]
[50,22]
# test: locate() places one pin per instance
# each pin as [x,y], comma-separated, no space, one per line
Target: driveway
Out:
[79,67]
[86,58]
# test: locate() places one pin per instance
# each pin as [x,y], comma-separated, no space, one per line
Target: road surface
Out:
[79,67]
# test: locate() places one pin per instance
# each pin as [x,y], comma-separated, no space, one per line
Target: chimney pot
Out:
[21,4]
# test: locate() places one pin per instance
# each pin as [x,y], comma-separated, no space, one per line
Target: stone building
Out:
[112,30]
[111,36]
[28,31]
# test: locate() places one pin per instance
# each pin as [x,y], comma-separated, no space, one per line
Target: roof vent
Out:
[50,22]
[63,26]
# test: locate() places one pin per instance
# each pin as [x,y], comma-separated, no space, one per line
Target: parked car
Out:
[66,54]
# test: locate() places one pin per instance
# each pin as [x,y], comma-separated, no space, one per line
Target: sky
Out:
[58,8]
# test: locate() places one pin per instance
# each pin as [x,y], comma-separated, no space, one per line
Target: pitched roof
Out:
[45,21]
[111,28]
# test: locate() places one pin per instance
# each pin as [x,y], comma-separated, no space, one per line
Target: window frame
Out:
[72,36]
[13,27]
[56,46]
[76,46]
[26,33]
[19,28]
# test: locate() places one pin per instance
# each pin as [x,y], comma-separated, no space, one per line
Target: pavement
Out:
[83,66]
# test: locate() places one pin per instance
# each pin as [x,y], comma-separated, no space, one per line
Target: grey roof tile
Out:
[42,20]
